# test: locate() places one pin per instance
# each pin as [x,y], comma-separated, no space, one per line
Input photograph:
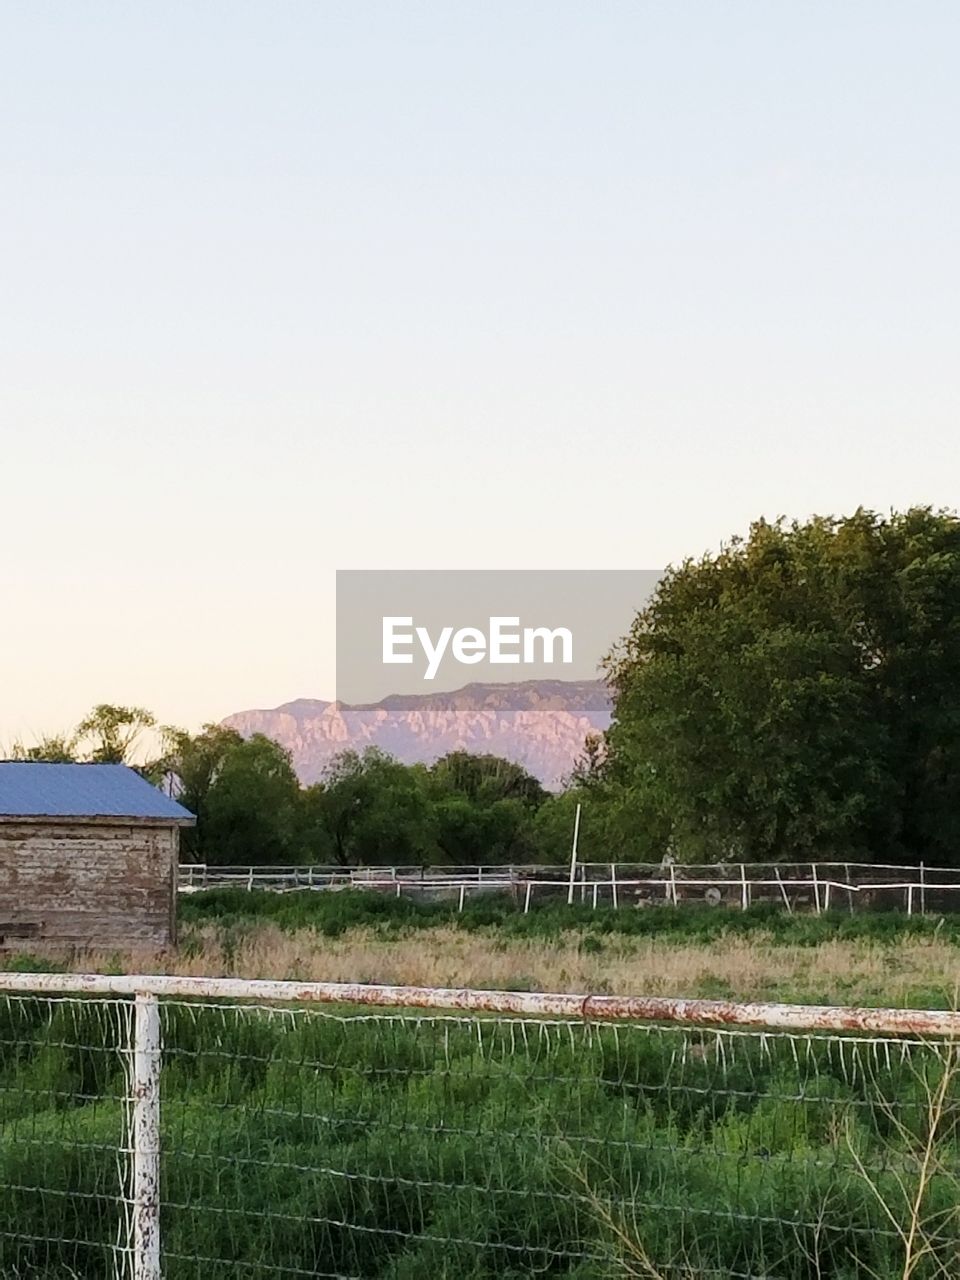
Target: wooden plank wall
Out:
[90,884]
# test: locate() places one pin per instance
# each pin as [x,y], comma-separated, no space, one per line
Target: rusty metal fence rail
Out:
[184,1127]
[815,887]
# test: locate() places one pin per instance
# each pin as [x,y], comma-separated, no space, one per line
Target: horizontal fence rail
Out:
[169,1127]
[816,887]
[773,1016]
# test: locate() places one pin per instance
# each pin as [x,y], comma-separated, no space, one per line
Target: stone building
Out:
[88,856]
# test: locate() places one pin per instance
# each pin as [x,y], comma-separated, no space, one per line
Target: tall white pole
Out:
[573,856]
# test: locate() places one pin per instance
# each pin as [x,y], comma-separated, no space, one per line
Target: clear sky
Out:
[295,285]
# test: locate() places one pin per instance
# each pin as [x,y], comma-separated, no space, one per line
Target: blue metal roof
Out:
[35,790]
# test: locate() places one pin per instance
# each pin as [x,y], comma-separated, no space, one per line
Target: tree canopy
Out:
[110,733]
[797,695]
[373,809]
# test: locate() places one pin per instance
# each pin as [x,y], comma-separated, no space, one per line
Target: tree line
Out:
[368,808]
[794,697]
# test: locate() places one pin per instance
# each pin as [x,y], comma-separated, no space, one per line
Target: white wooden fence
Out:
[817,887]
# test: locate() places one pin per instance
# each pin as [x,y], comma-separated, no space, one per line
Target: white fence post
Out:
[145,1134]
[573,857]
[783,891]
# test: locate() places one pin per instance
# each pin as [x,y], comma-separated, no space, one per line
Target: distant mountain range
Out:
[541,724]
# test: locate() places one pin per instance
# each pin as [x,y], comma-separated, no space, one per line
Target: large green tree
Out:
[797,695]
[372,810]
[486,779]
[253,805]
[244,793]
[193,762]
[484,808]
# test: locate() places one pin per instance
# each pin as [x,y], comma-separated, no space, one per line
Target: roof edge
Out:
[92,819]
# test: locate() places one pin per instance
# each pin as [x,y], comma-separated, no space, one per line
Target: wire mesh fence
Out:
[337,1140]
[64,1144]
[794,886]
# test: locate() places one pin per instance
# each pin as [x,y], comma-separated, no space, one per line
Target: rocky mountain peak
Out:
[541,724]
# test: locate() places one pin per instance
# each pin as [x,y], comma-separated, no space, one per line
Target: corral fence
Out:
[794,886]
[201,1127]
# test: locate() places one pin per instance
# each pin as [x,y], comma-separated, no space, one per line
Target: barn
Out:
[88,856]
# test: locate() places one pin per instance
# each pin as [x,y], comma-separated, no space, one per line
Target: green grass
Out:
[401,1149]
[333,914]
[405,1148]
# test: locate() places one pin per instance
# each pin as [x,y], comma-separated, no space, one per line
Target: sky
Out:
[297,286]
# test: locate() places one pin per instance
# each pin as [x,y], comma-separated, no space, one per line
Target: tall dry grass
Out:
[848,972]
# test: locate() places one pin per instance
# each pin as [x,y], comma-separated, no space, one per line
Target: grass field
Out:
[871,959]
[305,1143]
[399,1148]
